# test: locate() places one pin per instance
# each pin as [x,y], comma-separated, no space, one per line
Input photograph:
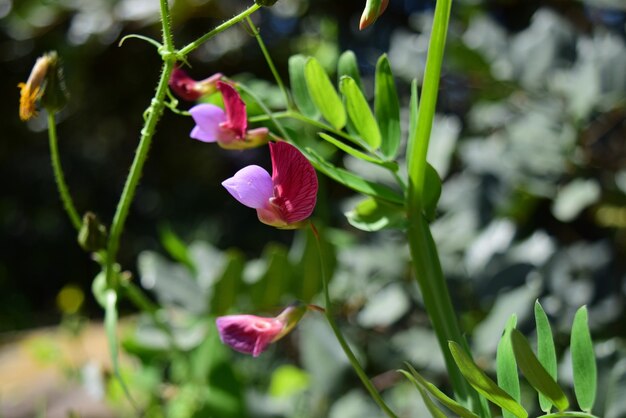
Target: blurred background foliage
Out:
[530,141]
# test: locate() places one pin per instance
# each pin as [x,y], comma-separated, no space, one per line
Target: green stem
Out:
[423,250]
[64,191]
[270,63]
[342,341]
[195,44]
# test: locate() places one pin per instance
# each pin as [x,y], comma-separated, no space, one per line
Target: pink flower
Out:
[189,89]
[283,200]
[370,14]
[251,334]
[228,127]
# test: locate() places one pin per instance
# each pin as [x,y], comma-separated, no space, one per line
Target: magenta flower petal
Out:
[235,109]
[295,182]
[248,334]
[251,186]
[183,85]
[208,118]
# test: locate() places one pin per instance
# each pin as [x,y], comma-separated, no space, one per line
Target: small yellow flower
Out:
[33,89]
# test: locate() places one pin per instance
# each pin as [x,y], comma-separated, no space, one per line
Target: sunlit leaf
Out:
[387,108]
[390,165]
[483,384]
[583,361]
[371,214]
[506,367]
[299,89]
[323,94]
[360,113]
[348,65]
[534,372]
[448,402]
[546,353]
[430,405]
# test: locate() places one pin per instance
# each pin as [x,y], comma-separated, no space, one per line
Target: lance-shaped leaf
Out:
[545,350]
[483,384]
[390,165]
[299,88]
[348,65]
[323,94]
[448,402]
[430,405]
[506,367]
[583,361]
[387,108]
[360,113]
[534,372]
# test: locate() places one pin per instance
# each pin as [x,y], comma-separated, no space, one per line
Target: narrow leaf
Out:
[351,180]
[360,113]
[413,108]
[390,165]
[349,66]
[534,372]
[483,384]
[176,248]
[299,89]
[545,350]
[430,405]
[506,367]
[373,215]
[583,361]
[387,108]
[432,192]
[323,94]
[448,402]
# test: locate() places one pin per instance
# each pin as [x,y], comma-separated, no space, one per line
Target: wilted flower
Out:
[188,88]
[283,200]
[251,334]
[44,84]
[229,127]
[373,9]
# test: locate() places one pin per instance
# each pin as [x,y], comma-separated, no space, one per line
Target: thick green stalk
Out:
[64,191]
[423,250]
[241,16]
[342,341]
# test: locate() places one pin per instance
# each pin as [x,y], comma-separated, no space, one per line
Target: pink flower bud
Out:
[189,89]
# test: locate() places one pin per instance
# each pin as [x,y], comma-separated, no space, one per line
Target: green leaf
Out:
[430,405]
[360,113]
[448,402]
[506,367]
[267,292]
[176,247]
[349,66]
[536,375]
[387,108]
[323,94]
[227,286]
[583,361]
[351,180]
[390,165]
[483,384]
[413,108]
[545,350]
[432,192]
[288,380]
[373,215]
[299,89]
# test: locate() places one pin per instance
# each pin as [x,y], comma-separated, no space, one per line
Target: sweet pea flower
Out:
[251,334]
[189,89]
[372,12]
[287,197]
[229,127]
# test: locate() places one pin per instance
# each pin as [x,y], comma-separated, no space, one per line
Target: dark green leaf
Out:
[353,181]
[349,66]
[387,108]
[299,89]
[360,113]
[323,94]
[390,165]
[430,405]
[583,361]
[448,402]
[483,384]
[228,285]
[413,107]
[534,372]
[432,192]
[373,215]
[506,367]
[546,353]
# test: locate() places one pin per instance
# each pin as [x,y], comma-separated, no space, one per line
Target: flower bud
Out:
[373,9]
[45,85]
[92,235]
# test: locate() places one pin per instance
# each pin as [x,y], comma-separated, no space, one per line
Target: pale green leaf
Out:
[546,353]
[387,108]
[299,89]
[583,361]
[360,113]
[506,367]
[323,94]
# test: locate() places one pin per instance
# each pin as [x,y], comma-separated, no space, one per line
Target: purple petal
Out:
[208,118]
[248,334]
[251,186]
